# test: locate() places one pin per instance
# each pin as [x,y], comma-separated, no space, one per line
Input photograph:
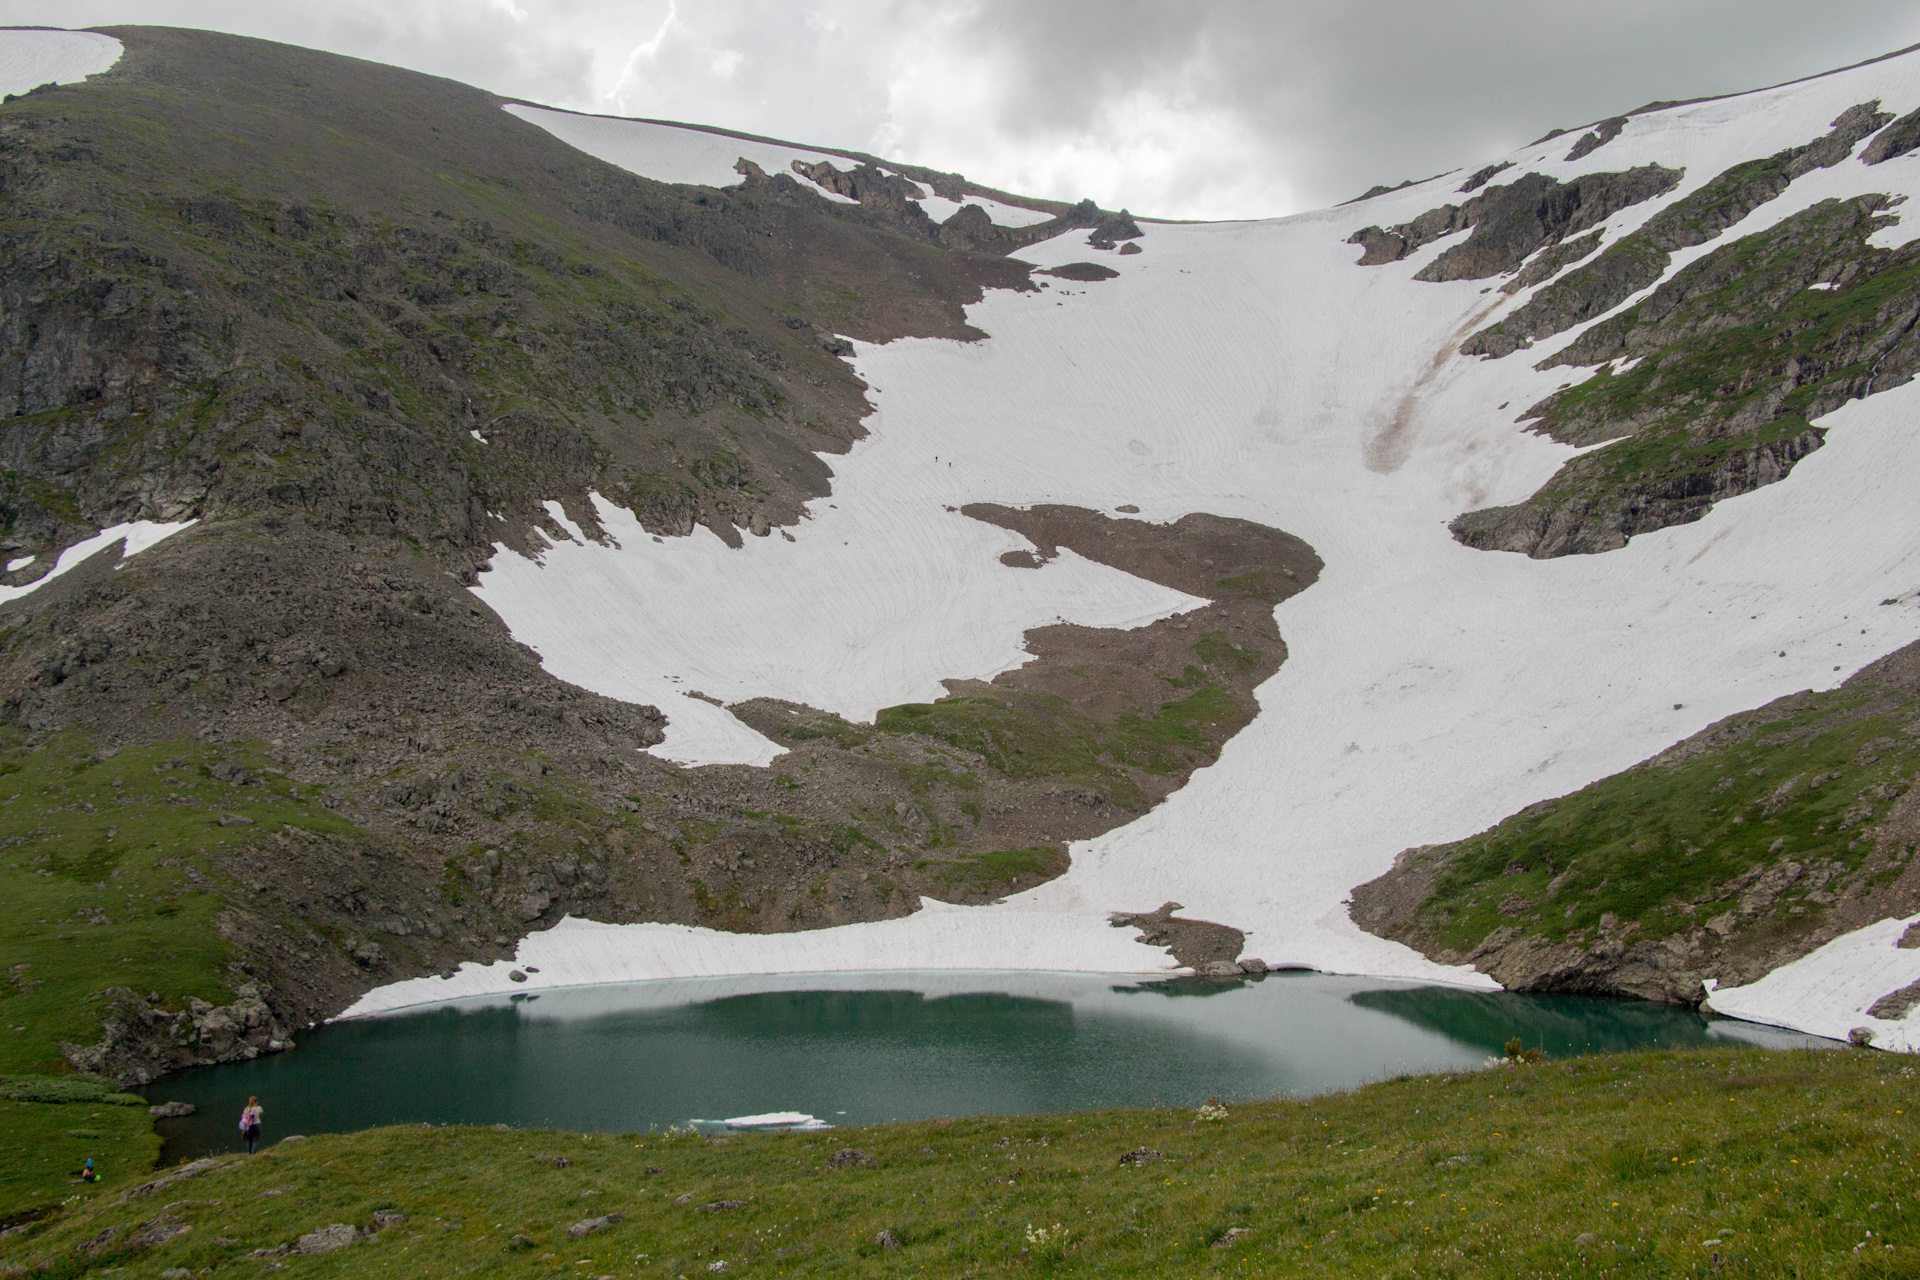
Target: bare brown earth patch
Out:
[1082,271]
[1194,943]
[978,794]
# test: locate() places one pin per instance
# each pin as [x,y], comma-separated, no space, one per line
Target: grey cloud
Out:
[1324,99]
[1363,91]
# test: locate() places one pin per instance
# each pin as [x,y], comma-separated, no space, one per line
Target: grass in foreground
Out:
[1735,1162]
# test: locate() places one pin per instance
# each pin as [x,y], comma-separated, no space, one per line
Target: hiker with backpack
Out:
[250,1123]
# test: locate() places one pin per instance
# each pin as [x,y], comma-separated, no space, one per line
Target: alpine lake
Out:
[867,1048]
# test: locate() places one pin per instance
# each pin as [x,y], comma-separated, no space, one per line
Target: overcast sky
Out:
[1177,109]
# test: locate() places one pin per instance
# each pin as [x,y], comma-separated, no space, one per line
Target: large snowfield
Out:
[31,57]
[1253,370]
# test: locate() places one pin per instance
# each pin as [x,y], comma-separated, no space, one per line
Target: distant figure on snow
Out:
[250,1123]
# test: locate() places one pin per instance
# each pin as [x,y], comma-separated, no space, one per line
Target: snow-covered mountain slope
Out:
[1254,370]
[680,153]
[914,605]
[1007,215]
[666,152]
[32,57]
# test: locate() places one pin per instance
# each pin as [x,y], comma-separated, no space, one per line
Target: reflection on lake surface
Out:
[867,1048]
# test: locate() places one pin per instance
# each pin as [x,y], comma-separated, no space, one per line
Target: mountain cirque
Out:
[431,396]
[363,373]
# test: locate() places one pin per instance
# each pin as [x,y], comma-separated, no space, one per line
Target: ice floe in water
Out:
[777,1120]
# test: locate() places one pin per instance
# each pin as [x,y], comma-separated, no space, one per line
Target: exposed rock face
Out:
[1112,228]
[1600,135]
[1604,521]
[1550,261]
[1733,358]
[1641,258]
[873,187]
[142,1042]
[1897,139]
[1739,850]
[1480,176]
[1511,221]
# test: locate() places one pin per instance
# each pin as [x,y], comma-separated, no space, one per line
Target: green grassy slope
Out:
[50,1127]
[1736,1162]
[104,881]
[1734,851]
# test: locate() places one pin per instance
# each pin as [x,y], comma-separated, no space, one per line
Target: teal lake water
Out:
[857,1049]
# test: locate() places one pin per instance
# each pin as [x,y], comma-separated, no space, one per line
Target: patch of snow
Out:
[939,208]
[871,605]
[1252,370]
[666,152]
[139,535]
[558,514]
[1829,991]
[1009,215]
[30,58]
[477,436]
[21,563]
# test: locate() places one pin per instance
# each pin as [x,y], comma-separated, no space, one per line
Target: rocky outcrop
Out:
[1608,516]
[1897,139]
[142,1040]
[1599,136]
[1512,221]
[1480,177]
[1715,378]
[1111,228]
[1638,260]
[1209,949]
